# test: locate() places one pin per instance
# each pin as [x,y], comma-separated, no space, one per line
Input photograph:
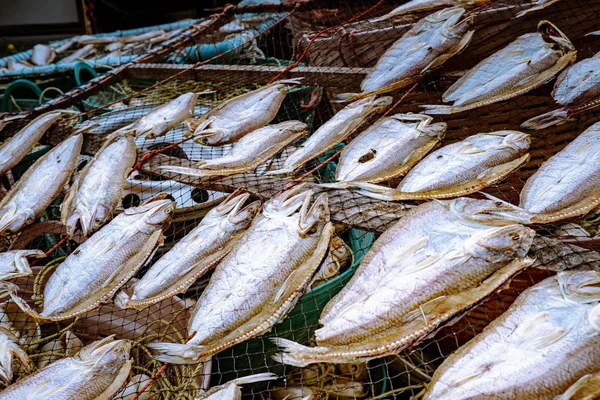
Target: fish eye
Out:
[498,204]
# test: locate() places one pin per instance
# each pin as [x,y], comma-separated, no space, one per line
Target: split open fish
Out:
[530,61]
[545,342]
[577,89]
[97,372]
[42,55]
[343,124]
[236,117]
[231,390]
[249,152]
[459,169]
[260,280]
[164,118]
[94,195]
[95,271]
[194,255]
[568,183]
[15,148]
[14,264]
[426,46]
[388,149]
[36,189]
[79,54]
[407,305]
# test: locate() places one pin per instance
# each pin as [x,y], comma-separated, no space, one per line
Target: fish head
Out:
[552,35]
[491,211]
[453,25]
[157,211]
[580,286]
[294,127]
[516,140]
[106,350]
[239,218]
[496,244]
[311,216]
[187,101]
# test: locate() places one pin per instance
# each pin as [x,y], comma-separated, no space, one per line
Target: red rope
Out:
[148,156]
[56,246]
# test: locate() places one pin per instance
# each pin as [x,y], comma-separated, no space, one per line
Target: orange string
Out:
[56,246]
[151,154]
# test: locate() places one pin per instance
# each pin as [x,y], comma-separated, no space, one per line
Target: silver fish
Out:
[10,351]
[94,195]
[164,118]
[260,280]
[14,264]
[142,37]
[332,132]
[42,55]
[113,47]
[97,372]
[64,46]
[375,324]
[79,54]
[530,61]
[249,152]
[14,149]
[427,45]
[460,168]
[231,390]
[89,39]
[577,89]
[194,255]
[36,189]
[111,257]
[14,65]
[337,258]
[537,5]
[234,118]
[545,342]
[389,148]
[414,6]
[568,183]
[68,344]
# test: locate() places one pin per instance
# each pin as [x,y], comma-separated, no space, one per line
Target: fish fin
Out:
[294,353]
[540,5]
[499,172]
[468,148]
[195,124]
[440,109]
[346,97]
[337,185]
[375,191]
[291,81]
[122,299]
[117,382]
[176,353]
[43,390]
[175,169]
[421,265]
[464,42]
[265,376]
[10,289]
[538,332]
[422,311]
[546,120]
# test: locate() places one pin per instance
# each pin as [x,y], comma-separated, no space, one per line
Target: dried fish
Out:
[14,64]
[249,152]
[113,46]
[142,37]
[89,39]
[10,350]
[375,324]
[111,257]
[568,183]
[105,363]
[530,61]
[42,55]
[414,6]
[65,46]
[427,45]
[96,192]
[389,148]
[194,255]
[546,340]
[80,54]
[14,149]
[536,6]
[332,132]
[164,118]
[460,168]
[338,256]
[231,390]
[234,118]
[14,264]
[586,388]
[577,89]
[36,189]
[260,280]
[68,344]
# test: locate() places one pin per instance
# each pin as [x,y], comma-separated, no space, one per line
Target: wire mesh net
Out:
[341,42]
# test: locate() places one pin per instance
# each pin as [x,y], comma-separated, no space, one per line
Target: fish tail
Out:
[296,354]
[122,300]
[347,97]
[282,171]
[439,109]
[181,170]
[546,120]
[265,376]
[176,353]
[376,191]
[291,81]
[337,185]
[7,220]
[10,289]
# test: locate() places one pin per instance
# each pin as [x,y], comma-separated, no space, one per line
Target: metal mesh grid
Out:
[390,377]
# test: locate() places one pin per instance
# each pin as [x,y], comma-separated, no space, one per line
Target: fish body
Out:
[528,62]
[79,54]
[97,372]
[249,152]
[427,45]
[335,130]
[389,148]
[568,183]
[545,342]
[193,255]
[260,280]
[231,390]
[414,6]
[96,270]
[14,149]
[577,89]
[36,189]
[234,118]
[14,264]
[42,55]
[92,199]
[537,5]
[164,118]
